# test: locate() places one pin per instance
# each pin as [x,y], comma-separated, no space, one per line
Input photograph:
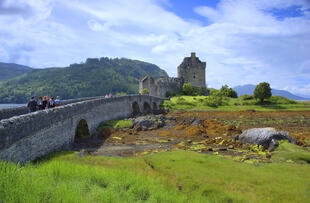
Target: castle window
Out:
[194,76]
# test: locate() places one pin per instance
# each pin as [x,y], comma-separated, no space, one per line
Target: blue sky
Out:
[242,41]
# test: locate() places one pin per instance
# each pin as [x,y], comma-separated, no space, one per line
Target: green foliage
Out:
[281,100]
[228,92]
[115,124]
[246,97]
[182,101]
[217,102]
[213,101]
[200,91]
[178,176]
[121,94]
[188,89]
[93,78]
[145,91]
[214,92]
[262,91]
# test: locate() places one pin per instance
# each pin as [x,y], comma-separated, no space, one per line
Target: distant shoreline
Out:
[7,106]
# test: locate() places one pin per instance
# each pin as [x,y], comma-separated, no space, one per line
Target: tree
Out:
[145,91]
[262,91]
[188,89]
[228,92]
[200,91]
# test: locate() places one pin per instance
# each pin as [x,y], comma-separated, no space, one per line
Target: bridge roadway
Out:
[26,137]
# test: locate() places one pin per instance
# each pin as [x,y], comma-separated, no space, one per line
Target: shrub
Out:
[214,91]
[246,97]
[262,91]
[145,91]
[228,92]
[200,91]
[281,100]
[213,101]
[188,89]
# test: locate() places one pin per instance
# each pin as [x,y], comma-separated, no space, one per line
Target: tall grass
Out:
[65,181]
[177,176]
[245,102]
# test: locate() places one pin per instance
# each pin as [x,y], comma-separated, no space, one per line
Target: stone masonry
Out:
[26,137]
[191,70]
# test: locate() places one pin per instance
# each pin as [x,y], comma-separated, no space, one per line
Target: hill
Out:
[93,78]
[249,89]
[11,70]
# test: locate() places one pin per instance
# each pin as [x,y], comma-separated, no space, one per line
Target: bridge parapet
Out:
[10,112]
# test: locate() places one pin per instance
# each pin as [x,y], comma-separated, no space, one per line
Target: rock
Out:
[196,121]
[273,145]
[268,137]
[148,122]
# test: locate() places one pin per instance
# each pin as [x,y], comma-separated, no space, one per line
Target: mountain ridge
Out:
[94,77]
[249,89]
[11,70]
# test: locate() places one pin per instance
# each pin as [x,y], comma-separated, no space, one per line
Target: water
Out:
[6,106]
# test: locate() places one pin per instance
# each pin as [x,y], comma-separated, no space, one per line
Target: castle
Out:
[191,70]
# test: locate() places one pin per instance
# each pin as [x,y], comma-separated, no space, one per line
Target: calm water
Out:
[6,106]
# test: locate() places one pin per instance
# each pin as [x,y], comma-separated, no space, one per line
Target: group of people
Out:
[45,102]
[108,95]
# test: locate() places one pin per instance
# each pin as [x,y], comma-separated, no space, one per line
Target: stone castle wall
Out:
[191,70]
[167,84]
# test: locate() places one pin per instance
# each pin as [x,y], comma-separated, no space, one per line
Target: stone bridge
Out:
[29,136]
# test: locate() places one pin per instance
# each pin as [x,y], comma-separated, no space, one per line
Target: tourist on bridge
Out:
[44,102]
[32,104]
[40,103]
[57,101]
[51,103]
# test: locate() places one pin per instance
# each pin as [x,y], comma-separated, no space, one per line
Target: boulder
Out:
[148,122]
[268,137]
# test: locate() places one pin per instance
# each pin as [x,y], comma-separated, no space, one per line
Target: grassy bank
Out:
[275,103]
[178,176]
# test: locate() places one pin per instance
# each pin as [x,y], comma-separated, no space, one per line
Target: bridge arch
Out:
[135,109]
[82,130]
[147,108]
[155,107]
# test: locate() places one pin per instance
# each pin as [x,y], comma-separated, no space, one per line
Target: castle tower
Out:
[193,71]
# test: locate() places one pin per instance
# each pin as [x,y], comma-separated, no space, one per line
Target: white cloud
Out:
[243,44]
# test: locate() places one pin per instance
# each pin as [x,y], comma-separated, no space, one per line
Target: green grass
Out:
[275,103]
[120,123]
[290,152]
[178,176]
[115,124]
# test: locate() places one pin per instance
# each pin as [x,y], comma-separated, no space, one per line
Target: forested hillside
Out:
[11,70]
[93,78]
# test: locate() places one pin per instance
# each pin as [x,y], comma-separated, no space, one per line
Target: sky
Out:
[242,41]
